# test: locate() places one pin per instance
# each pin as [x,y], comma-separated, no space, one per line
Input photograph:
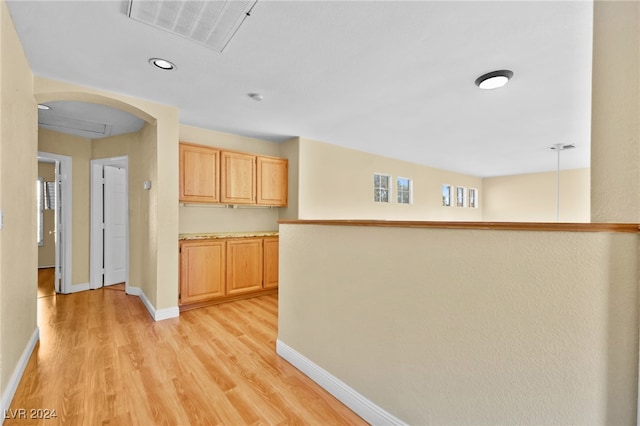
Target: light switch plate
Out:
[147,184]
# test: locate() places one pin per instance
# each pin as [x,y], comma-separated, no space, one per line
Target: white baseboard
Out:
[10,390]
[157,315]
[343,392]
[80,287]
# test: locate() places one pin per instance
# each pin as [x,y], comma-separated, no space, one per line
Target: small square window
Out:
[381,188]
[460,190]
[446,195]
[473,198]
[404,190]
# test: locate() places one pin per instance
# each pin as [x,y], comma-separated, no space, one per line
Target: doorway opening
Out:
[59,195]
[109,258]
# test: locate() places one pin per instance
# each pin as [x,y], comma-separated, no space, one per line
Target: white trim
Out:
[366,409]
[156,314]
[10,390]
[389,189]
[96,207]
[410,190]
[80,287]
[46,266]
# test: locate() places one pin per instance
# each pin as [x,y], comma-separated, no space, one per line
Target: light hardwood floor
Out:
[102,360]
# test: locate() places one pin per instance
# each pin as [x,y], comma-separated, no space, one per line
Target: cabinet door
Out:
[238,178]
[202,270]
[199,174]
[270,248]
[244,265]
[272,181]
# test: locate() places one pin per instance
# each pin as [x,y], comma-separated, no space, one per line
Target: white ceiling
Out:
[389,77]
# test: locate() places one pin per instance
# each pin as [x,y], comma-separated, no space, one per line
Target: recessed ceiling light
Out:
[494,79]
[43,106]
[163,64]
[256,96]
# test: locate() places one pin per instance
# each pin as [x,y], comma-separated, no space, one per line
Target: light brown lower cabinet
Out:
[217,270]
[244,265]
[202,270]
[270,251]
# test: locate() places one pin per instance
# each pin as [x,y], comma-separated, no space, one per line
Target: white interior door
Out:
[115,225]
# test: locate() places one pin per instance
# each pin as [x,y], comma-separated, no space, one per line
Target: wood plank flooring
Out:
[102,360]
[46,283]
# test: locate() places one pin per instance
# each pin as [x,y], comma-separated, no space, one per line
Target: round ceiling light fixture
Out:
[43,107]
[494,79]
[256,97]
[163,64]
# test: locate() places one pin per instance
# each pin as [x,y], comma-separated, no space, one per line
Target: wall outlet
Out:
[146,184]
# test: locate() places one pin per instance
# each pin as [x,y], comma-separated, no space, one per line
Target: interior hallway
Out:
[102,359]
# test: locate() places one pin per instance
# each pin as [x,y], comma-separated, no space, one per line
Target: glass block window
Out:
[473,198]
[404,190]
[446,195]
[381,188]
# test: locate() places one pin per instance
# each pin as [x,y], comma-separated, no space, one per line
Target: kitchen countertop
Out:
[214,235]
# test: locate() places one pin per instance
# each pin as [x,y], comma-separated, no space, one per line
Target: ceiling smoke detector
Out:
[211,23]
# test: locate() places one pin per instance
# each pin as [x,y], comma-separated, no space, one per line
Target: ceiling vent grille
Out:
[212,23]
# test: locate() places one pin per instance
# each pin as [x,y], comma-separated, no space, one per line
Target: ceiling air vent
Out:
[74,126]
[211,23]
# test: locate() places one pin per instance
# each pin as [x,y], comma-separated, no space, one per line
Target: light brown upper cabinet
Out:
[212,175]
[238,178]
[199,174]
[272,181]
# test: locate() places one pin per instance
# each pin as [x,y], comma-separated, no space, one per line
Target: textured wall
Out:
[79,149]
[337,183]
[18,174]
[454,327]
[532,197]
[615,116]
[161,286]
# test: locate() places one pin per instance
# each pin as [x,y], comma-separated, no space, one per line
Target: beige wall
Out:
[212,218]
[337,183]
[130,145]
[79,149]
[532,197]
[615,128]
[453,327]
[47,251]
[18,174]
[289,149]
[161,283]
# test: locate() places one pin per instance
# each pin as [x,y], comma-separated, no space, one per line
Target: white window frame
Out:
[475,192]
[389,188]
[461,200]
[446,202]
[410,190]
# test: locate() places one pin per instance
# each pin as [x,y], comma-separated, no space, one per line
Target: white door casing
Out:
[63,219]
[98,199]
[115,225]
